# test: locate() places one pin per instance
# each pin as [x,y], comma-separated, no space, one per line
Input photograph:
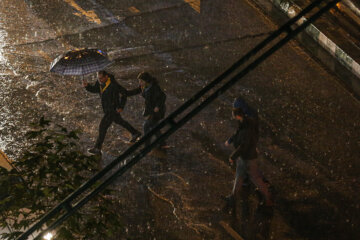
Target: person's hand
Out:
[227,143]
[119,110]
[231,161]
[84,82]
[156,109]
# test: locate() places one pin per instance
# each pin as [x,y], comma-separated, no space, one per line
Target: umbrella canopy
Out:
[80,62]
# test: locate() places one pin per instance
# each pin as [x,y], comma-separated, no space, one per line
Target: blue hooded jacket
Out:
[246,109]
[247,135]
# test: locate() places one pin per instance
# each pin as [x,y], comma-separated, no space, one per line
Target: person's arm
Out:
[231,139]
[149,104]
[235,154]
[245,141]
[133,92]
[149,109]
[92,88]
[123,92]
[159,98]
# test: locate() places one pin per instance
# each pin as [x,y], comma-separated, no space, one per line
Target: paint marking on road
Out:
[107,15]
[5,162]
[195,4]
[134,9]
[104,13]
[45,56]
[90,15]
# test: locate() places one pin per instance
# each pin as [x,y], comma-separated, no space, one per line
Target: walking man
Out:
[110,91]
[245,140]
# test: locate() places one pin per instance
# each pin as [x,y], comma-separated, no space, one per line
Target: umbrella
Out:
[80,62]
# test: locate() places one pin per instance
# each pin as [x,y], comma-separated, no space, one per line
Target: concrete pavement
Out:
[309,123]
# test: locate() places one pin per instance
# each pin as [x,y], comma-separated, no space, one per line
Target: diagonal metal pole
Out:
[170,120]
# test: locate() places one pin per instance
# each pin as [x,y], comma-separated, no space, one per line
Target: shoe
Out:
[135,137]
[95,151]
[269,202]
[230,203]
[164,146]
[265,211]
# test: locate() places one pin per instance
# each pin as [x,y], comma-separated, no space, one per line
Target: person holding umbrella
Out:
[80,62]
[109,91]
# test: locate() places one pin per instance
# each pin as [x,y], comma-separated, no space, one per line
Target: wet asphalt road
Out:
[310,144]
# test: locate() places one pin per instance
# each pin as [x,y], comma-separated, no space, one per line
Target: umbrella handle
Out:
[82,80]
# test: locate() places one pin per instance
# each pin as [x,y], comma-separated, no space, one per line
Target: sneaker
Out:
[95,151]
[135,137]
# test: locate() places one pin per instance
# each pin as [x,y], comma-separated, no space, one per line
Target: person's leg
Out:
[238,182]
[154,123]
[119,120]
[257,179]
[103,127]
[163,143]
[147,128]
[241,169]
[149,125]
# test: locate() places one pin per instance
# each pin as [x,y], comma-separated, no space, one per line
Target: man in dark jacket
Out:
[155,107]
[109,91]
[245,140]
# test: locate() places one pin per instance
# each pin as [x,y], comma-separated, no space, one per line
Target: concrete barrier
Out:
[329,54]
[292,10]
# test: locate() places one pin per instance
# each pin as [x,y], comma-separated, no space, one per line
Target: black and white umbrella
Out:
[80,62]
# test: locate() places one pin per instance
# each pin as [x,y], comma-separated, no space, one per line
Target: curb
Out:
[291,9]
[351,6]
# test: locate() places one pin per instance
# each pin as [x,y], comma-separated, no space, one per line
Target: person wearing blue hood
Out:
[110,92]
[245,140]
[155,107]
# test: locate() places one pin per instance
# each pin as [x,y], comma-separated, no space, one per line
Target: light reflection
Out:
[48,236]
[3,34]
[3,109]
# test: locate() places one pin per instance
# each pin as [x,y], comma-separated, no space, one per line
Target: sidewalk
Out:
[343,53]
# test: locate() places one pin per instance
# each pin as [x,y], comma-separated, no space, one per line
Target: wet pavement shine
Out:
[310,128]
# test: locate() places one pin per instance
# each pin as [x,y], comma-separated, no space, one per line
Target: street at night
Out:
[309,114]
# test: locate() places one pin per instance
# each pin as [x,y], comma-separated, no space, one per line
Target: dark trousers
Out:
[105,123]
[150,124]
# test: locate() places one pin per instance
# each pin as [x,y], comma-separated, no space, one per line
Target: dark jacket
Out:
[110,99]
[245,139]
[154,97]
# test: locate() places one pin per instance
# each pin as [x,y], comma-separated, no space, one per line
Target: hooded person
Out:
[155,98]
[110,92]
[244,141]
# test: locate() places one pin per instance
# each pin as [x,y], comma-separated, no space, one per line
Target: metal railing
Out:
[66,205]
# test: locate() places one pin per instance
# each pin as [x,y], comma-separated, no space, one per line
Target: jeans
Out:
[250,167]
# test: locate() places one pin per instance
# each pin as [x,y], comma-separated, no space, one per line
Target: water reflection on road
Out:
[4,110]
